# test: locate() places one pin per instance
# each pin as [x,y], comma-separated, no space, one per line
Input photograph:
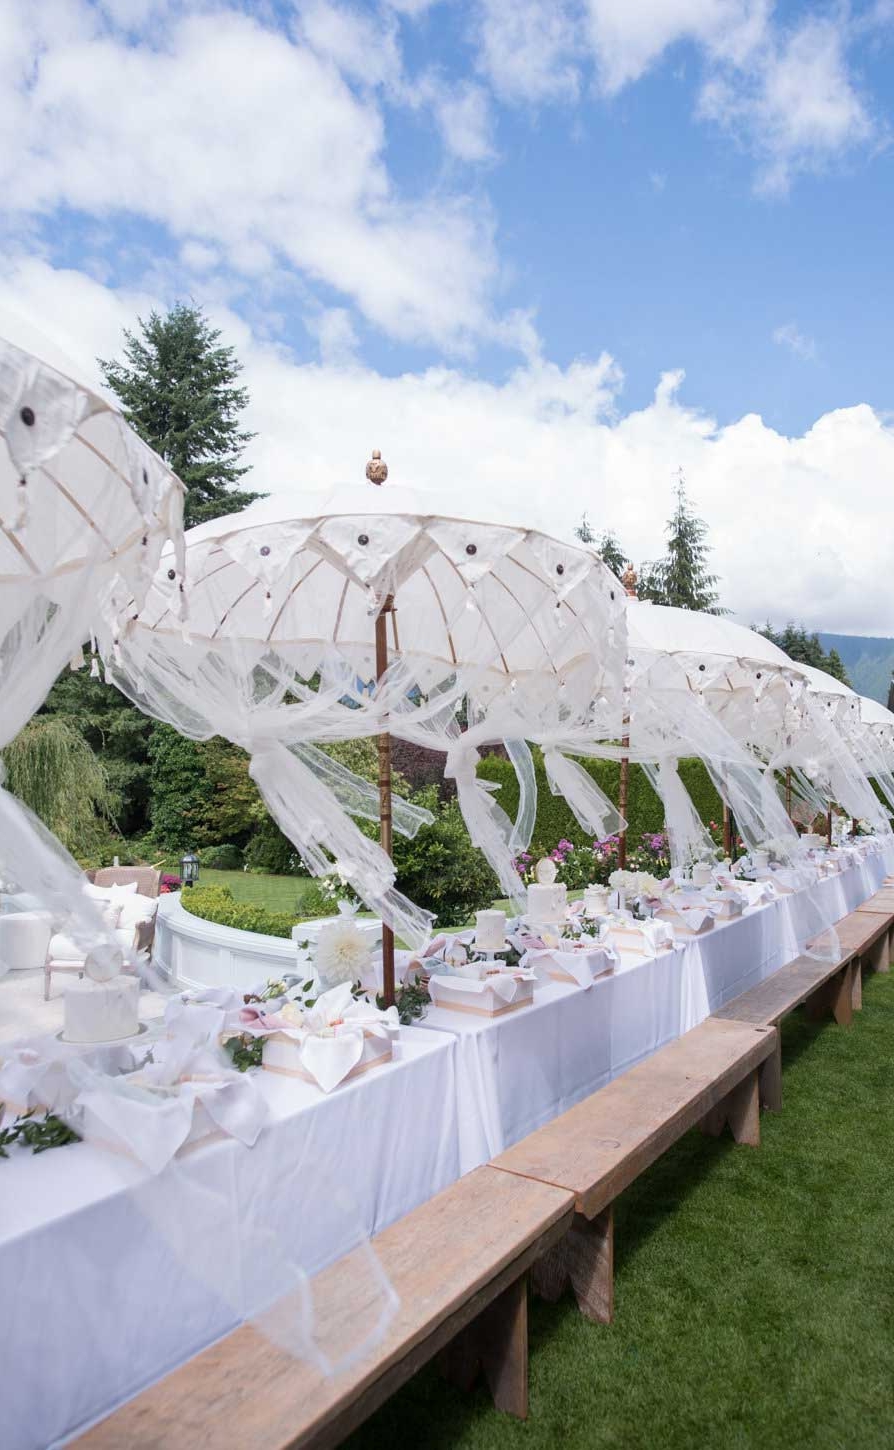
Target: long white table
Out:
[109,1279]
[516,1072]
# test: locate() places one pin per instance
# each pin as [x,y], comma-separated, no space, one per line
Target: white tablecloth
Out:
[518,1071]
[109,1279]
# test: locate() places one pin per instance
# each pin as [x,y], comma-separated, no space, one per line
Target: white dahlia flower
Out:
[343,953]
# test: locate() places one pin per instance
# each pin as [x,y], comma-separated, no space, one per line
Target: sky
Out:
[548,251]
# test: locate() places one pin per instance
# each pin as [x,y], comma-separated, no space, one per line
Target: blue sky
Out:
[498,224]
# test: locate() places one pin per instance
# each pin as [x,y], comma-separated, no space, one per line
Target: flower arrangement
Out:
[343,953]
[169,883]
[636,883]
[580,866]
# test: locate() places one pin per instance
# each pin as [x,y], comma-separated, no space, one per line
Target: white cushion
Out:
[109,893]
[63,949]
[137,908]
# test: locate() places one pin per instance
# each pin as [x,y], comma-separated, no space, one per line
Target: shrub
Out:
[645,814]
[221,858]
[440,869]
[215,903]
[270,850]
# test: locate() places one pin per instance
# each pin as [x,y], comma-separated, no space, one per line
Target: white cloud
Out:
[198,256]
[528,49]
[363,44]
[231,135]
[630,38]
[463,115]
[793,521]
[798,107]
[785,92]
[337,338]
[790,335]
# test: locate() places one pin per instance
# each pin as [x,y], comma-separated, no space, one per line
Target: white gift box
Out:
[579,965]
[727,905]
[646,939]
[102,1133]
[688,920]
[282,1053]
[491,996]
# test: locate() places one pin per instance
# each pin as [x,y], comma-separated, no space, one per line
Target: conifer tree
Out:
[806,649]
[607,546]
[682,578]
[611,553]
[178,388]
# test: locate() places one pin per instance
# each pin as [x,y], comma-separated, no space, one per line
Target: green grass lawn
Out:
[277,893]
[754,1289]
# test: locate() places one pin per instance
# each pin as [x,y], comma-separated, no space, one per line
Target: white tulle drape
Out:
[518,635]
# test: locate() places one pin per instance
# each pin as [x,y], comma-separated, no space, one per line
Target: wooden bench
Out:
[708,1077]
[459,1267]
[821,987]
[865,934]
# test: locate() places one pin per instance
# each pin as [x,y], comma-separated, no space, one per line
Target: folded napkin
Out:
[584,962]
[178,1097]
[503,984]
[330,1034]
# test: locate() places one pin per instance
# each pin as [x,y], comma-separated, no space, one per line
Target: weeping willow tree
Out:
[53,770]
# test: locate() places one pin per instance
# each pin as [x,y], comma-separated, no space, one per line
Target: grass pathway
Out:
[754,1289]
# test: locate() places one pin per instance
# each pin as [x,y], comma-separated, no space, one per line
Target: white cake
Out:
[547,903]
[595,900]
[490,931]
[101,1011]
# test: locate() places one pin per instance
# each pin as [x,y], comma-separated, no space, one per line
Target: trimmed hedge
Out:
[644,809]
[215,903]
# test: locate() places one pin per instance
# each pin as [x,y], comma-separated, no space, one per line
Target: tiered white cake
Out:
[101,1011]
[547,903]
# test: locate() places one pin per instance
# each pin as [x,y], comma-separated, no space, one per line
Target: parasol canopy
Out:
[85,510]
[494,631]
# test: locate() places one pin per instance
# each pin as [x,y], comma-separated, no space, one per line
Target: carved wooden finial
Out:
[630,581]
[376,470]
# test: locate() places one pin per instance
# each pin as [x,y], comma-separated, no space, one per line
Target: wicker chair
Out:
[147,878]
[148,884]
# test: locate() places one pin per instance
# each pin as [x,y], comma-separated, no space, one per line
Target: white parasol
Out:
[384,611]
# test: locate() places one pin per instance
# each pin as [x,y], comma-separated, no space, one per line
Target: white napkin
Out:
[583,965]
[149,1114]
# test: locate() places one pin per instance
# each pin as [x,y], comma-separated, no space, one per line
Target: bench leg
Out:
[878,956]
[857,984]
[585,1258]
[741,1109]
[770,1080]
[834,998]
[841,997]
[497,1343]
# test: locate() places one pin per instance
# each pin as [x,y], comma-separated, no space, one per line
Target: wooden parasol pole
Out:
[829,826]
[727,832]
[629,580]
[377,472]
[788,791]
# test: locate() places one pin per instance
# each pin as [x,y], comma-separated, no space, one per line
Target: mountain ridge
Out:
[868,659]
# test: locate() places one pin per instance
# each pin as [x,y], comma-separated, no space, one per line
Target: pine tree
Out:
[607,546]
[611,553]
[681,578]
[177,389]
